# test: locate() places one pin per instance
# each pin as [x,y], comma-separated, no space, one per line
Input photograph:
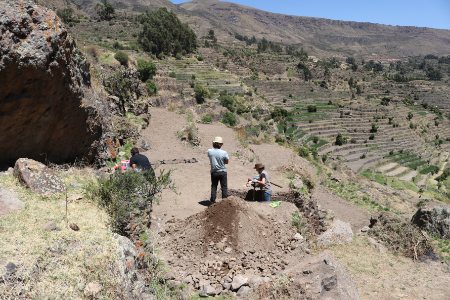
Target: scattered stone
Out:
[207,290]
[9,202]
[121,153]
[340,232]
[10,171]
[227,250]
[365,229]
[254,281]
[49,226]
[298,237]
[142,144]
[11,268]
[58,229]
[377,245]
[297,183]
[63,203]
[238,281]
[434,220]
[92,288]
[75,197]
[176,284]
[227,285]
[74,184]
[244,290]
[74,226]
[169,276]
[38,177]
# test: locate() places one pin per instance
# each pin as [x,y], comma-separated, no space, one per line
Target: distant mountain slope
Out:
[324,35]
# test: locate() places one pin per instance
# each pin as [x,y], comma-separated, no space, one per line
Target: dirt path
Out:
[344,211]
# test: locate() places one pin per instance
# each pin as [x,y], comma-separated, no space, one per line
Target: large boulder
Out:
[38,177]
[340,232]
[47,108]
[434,220]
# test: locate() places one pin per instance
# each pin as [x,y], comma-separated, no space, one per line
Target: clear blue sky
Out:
[421,13]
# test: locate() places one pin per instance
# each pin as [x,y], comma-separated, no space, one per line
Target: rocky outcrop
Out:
[47,108]
[434,220]
[38,177]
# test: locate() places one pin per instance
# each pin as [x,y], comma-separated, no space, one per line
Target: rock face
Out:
[9,202]
[47,108]
[38,177]
[435,220]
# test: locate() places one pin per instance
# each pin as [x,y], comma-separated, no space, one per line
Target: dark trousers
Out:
[215,178]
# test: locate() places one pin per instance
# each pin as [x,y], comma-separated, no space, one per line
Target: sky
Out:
[421,13]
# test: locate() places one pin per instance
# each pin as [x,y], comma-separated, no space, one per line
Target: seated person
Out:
[140,162]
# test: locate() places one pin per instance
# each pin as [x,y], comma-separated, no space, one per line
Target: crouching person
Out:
[264,182]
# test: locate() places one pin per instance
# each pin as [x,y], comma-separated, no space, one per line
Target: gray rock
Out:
[298,237]
[92,288]
[434,220]
[62,203]
[226,286]
[244,290]
[377,245]
[254,281]
[297,183]
[238,281]
[142,144]
[49,226]
[227,250]
[74,184]
[207,290]
[11,268]
[169,276]
[340,232]
[365,229]
[9,202]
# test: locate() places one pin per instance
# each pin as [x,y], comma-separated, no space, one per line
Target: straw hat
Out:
[218,140]
[259,166]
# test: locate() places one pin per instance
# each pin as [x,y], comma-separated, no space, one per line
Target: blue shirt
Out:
[217,159]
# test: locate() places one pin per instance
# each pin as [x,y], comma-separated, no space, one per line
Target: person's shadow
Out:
[206,203]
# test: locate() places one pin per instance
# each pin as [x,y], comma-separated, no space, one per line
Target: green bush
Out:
[372,136]
[129,195]
[200,93]
[152,88]
[340,139]
[229,118]
[146,69]
[173,74]
[312,108]
[227,101]
[207,119]
[122,58]
[324,157]
[303,152]
[200,58]
[178,56]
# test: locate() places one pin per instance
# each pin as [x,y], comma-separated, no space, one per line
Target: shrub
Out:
[324,157]
[200,58]
[178,56]
[227,101]
[173,74]
[312,108]
[315,139]
[122,58]
[374,128]
[372,136]
[303,152]
[207,119]
[279,140]
[363,156]
[146,69]
[152,89]
[200,93]
[340,139]
[391,152]
[129,195]
[229,118]
[93,52]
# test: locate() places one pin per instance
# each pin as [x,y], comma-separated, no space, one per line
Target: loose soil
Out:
[236,237]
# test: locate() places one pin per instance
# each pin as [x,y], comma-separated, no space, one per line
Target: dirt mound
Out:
[227,239]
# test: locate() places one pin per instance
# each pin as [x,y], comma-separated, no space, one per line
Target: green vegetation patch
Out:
[380,178]
[404,157]
[417,164]
[291,130]
[281,128]
[319,144]
[367,173]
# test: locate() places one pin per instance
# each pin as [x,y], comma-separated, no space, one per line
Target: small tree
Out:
[105,10]
[229,118]
[152,89]
[312,108]
[340,139]
[122,58]
[410,115]
[315,139]
[372,136]
[200,93]
[146,69]
[303,152]
[374,128]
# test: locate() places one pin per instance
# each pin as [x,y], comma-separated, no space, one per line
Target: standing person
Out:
[218,159]
[264,182]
